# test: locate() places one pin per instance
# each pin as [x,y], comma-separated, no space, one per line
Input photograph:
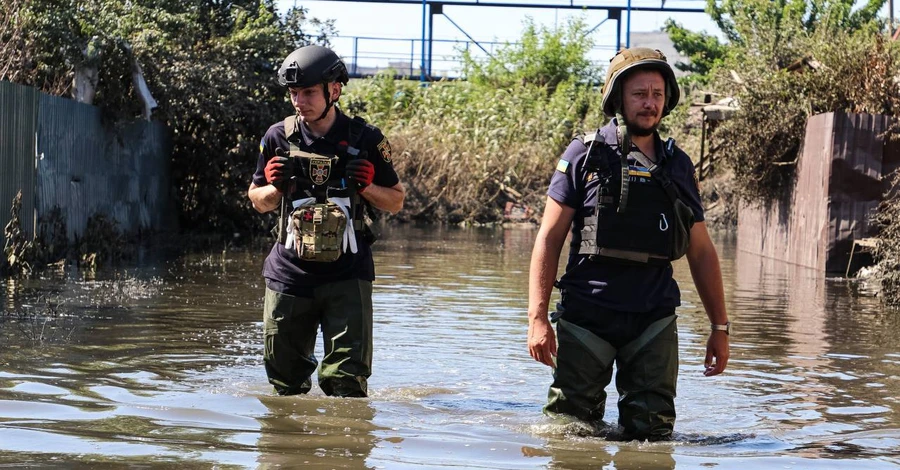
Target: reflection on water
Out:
[161,365]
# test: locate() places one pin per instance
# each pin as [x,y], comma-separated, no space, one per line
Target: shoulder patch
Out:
[562,166]
[385,148]
[262,145]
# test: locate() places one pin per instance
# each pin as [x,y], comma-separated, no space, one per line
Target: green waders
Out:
[646,377]
[344,312]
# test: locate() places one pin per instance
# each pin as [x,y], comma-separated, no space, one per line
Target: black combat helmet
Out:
[312,65]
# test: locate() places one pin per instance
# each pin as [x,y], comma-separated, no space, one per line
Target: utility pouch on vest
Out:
[319,231]
[684,220]
[684,216]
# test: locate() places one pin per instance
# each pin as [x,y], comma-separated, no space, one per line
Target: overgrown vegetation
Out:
[209,65]
[466,147]
[101,244]
[463,148]
[16,246]
[887,252]
[850,73]
[785,61]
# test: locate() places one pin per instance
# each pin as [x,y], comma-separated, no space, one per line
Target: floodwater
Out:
[160,366]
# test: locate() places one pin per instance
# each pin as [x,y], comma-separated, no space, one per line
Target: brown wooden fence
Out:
[838,185]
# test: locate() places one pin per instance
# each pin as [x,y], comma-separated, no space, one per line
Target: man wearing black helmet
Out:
[321,169]
[633,206]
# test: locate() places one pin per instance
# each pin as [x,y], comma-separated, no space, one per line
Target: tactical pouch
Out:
[369,236]
[319,231]
[684,220]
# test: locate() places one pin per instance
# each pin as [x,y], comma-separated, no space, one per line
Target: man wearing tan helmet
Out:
[632,204]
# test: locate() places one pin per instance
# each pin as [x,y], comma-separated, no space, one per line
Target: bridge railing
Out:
[367,55]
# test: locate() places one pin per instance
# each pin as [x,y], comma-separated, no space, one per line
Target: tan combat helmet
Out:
[635,58]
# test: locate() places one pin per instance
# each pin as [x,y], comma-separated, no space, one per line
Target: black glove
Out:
[362,172]
[279,169]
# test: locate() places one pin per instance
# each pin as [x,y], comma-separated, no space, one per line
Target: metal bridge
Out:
[422,60]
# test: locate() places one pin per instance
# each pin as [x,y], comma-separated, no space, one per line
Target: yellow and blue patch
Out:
[262,145]
[638,171]
[638,174]
[562,166]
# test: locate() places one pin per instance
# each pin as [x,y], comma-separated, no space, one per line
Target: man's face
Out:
[643,100]
[309,102]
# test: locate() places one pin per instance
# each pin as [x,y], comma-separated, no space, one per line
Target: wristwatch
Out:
[726,328]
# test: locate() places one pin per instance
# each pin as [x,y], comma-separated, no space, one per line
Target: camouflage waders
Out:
[343,310]
[646,377]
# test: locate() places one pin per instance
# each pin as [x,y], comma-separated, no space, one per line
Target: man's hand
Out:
[362,172]
[716,348]
[279,169]
[542,342]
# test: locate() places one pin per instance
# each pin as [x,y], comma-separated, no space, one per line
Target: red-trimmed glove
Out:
[278,169]
[362,172]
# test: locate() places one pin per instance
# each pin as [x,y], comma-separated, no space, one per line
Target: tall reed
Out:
[463,151]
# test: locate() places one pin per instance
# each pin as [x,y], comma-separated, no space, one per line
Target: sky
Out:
[376,34]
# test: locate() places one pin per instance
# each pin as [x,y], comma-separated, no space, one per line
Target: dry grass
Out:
[463,151]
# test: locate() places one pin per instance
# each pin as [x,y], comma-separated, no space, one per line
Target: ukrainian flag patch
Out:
[638,171]
[562,166]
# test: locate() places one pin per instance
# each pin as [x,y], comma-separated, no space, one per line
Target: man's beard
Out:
[641,131]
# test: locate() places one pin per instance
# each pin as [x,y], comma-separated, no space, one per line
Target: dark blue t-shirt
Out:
[283,269]
[606,285]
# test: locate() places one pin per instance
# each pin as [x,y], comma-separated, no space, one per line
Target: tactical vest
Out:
[319,221]
[314,175]
[638,217]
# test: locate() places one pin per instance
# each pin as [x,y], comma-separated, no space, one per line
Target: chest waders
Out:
[645,380]
[323,225]
[638,224]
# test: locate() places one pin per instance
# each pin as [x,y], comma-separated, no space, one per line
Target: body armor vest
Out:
[638,217]
[324,222]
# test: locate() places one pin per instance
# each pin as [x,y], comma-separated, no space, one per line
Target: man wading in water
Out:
[328,167]
[633,206]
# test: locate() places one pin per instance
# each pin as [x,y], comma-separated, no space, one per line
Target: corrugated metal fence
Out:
[62,154]
[18,128]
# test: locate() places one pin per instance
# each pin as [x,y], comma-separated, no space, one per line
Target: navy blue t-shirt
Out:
[607,285]
[283,269]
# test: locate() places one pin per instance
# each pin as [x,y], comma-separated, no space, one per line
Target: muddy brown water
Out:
[160,366]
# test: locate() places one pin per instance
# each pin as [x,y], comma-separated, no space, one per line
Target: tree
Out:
[543,57]
[765,28]
[704,50]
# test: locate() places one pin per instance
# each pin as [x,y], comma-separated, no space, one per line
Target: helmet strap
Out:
[328,102]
